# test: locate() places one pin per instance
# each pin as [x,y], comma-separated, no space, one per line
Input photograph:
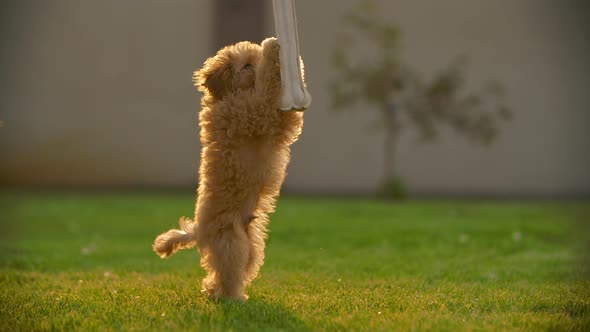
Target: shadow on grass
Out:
[258,314]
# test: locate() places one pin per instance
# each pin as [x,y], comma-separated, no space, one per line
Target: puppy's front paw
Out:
[270,46]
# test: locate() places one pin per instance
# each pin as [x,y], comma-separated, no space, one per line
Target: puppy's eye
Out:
[247,66]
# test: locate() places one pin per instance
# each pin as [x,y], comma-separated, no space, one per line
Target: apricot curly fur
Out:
[245,151]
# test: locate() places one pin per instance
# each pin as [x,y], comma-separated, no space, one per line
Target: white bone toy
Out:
[295,95]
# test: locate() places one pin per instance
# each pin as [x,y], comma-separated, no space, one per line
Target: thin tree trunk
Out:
[389,146]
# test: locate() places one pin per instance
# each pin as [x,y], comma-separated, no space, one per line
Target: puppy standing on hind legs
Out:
[245,151]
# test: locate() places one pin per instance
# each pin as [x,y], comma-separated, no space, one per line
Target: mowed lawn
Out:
[84,262]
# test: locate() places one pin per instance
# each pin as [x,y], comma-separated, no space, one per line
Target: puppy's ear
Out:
[214,78]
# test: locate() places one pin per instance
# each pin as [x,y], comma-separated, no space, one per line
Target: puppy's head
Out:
[233,68]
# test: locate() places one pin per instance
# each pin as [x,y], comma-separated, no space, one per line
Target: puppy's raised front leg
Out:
[291,126]
[268,72]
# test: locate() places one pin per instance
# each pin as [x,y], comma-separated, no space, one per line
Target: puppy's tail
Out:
[170,242]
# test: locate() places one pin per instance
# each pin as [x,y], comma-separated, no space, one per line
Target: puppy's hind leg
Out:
[226,260]
[256,230]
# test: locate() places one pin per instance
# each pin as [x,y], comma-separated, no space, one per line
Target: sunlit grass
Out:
[84,262]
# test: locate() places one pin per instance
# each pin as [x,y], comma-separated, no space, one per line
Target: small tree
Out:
[404,99]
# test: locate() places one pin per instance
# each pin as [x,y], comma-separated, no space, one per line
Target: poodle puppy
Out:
[245,151]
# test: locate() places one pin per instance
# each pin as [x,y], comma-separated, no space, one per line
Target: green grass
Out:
[84,262]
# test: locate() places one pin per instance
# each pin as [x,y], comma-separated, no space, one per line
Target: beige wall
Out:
[537,49]
[99,93]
